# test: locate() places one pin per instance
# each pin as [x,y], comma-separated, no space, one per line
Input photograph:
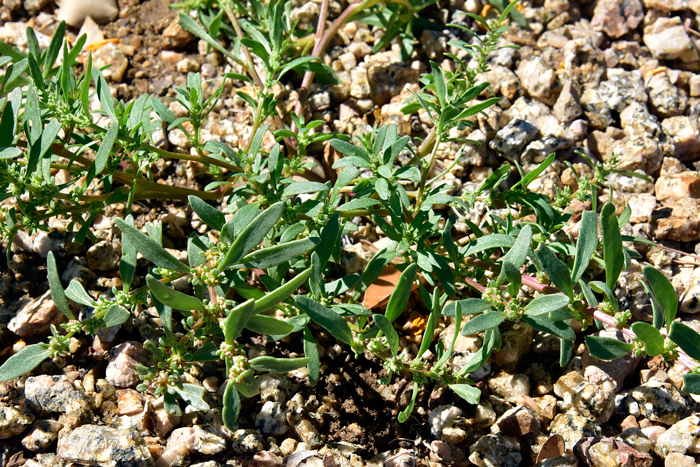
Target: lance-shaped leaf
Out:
[207,353]
[281,293]
[311,352]
[545,304]
[399,298]
[192,394]
[556,270]
[77,293]
[458,327]
[24,361]
[585,244]
[237,320]
[115,315]
[663,291]
[470,306]
[467,392]
[57,294]
[232,406]
[482,322]
[686,338]
[560,329]
[127,265]
[652,338]
[403,415]
[277,365]
[278,254]
[612,245]
[607,348]
[250,386]
[269,326]
[252,235]
[392,337]
[430,326]
[208,213]
[173,298]
[329,320]
[150,249]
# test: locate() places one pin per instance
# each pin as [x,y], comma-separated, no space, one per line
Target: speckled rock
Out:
[54,394]
[271,419]
[685,134]
[676,459]
[495,451]
[595,397]
[388,79]
[121,369]
[596,109]
[683,437]
[660,402]
[573,427]
[616,17]
[36,317]
[111,54]
[247,441]
[102,257]
[13,421]
[105,447]
[679,222]
[207,442]
[515,344]
[665,98]
[617,369]
[669,189]
[668,40]
[510,387]
[690,299]
[442,417]
[42,434]
[637,439]
[567,108]
[512,139]
[561,461]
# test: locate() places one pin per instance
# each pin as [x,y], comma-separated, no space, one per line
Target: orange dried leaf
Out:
[96,45]
[379,292]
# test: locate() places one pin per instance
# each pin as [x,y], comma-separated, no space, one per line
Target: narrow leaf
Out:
[277,365]
[607,348]
[392,337]
[652,338]
[329,320]
[208,213]
[232,406]
[612,245]
[686,338]
[237,320]
[467,392]
[171,297]
[585,244]
[482,322]
[556,270]
[192,394]
[664,292]
[24,361]
[399,298]
[150,249]
[57,294]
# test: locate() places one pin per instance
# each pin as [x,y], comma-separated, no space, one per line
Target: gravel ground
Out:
[602,77]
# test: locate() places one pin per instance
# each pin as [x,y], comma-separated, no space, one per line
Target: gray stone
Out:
[596,109]
[247,442]
[442,417]
[495,451]
[271,421]
[540,81]
[33,6]
[616,17]
[685,134]
[74,12]
[13,421]
[54,394]
[43,433]
[660,402]
[665,98]
[105,447]
[512,139]
[102,257]
[567,107]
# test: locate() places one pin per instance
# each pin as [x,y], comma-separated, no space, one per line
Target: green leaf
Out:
[561,329]
[467,392]
[429,331]
[206,353]
[278,254]
[103,94]
[330,238]
[470,306]
[566,349]
[329,320]
[439,82]
[269,326]
[311,352]
[358,204]
[392,337]
[24,361]
[208,213]
[612,244]
[170,404]
[57,294]
[192,394]
[232,406]
[404,414]
[652,338]
[607,348]
[489,241]
[303,188]
[657,311]
[686,338]
[171,297]
[664,292]
[237,320]
[295,63]
[277,365]
[399,297]
[281,293]
[349,149]
[250,386]
[150,249]
[556,270]
[532,175]
[482,322]
[691,383]
[586,244]
[105,149]
[77,293]
[127,265]
[545,304]
[252,235]
[191,25]
[115,315]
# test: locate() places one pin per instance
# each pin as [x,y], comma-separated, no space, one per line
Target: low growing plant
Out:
[273,267]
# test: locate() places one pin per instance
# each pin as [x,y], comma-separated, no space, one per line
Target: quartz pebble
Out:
[105,447]
[682,437]
[121,370]
[42,435]
[13,421]
[36,317]
[54,394]
[495,451]
[660,402]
